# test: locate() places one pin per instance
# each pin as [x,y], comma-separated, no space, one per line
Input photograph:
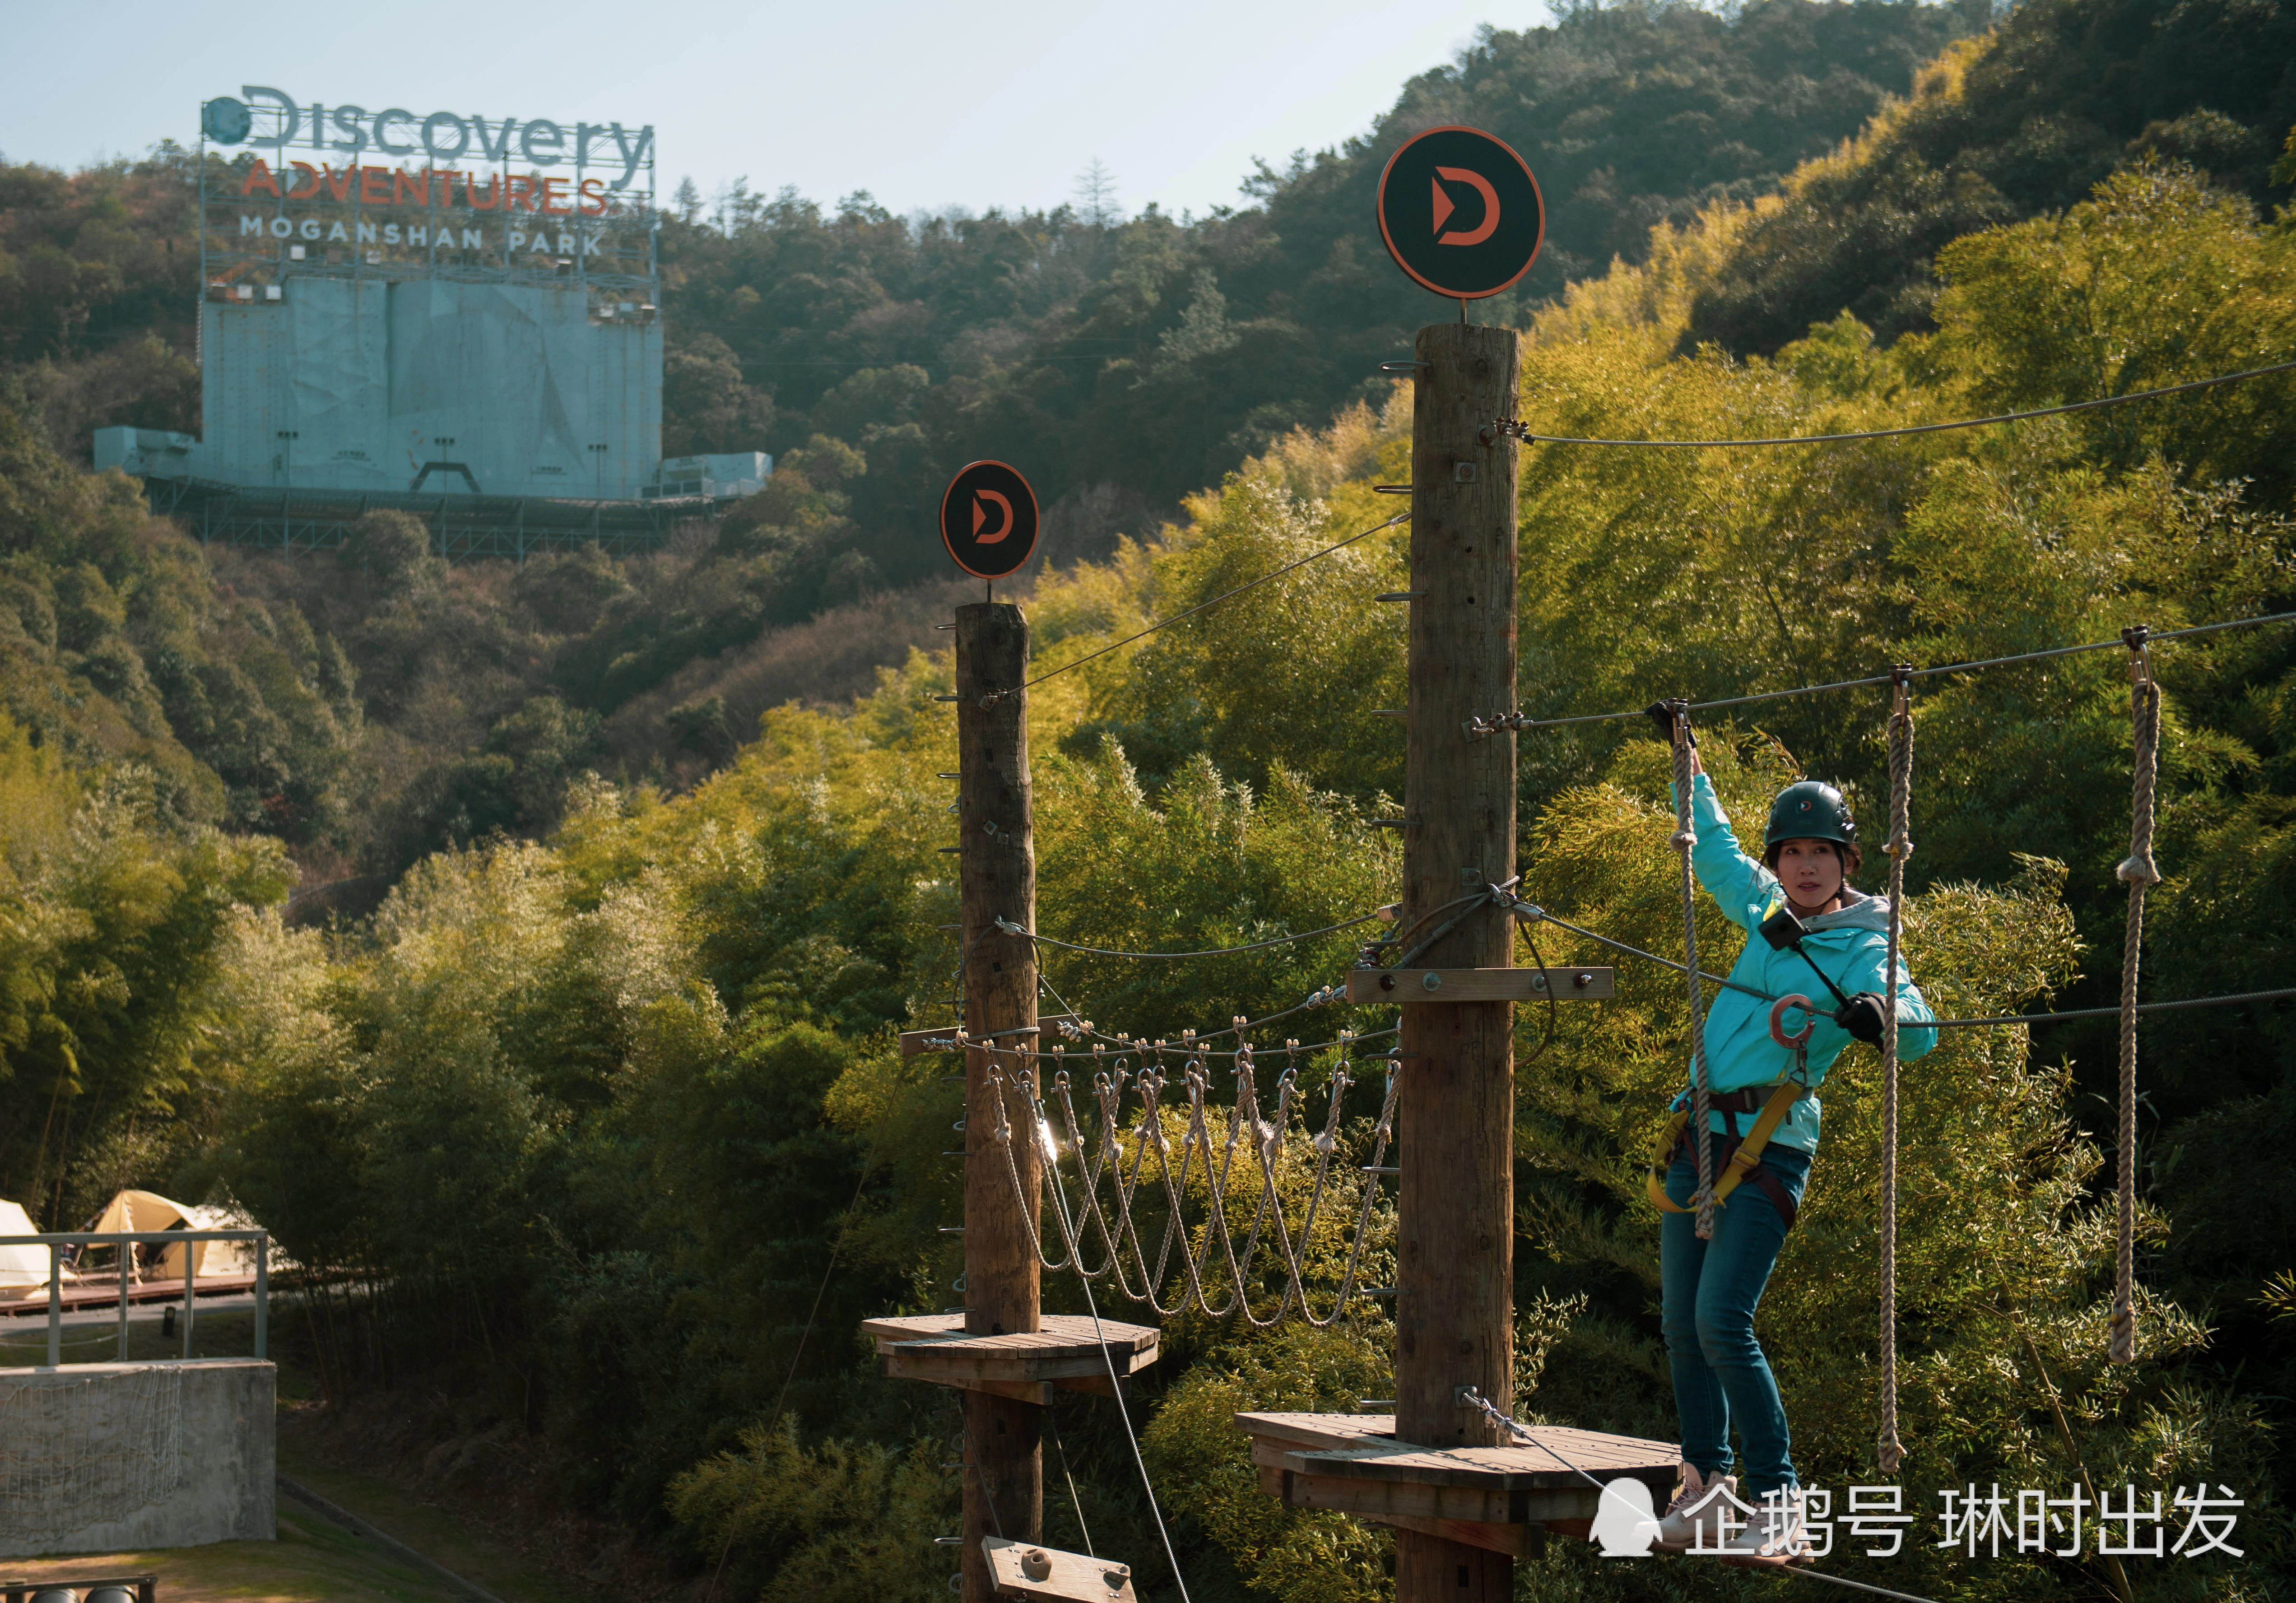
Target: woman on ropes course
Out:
[1764,1119]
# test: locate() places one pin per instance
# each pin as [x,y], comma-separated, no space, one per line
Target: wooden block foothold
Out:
[1030,1569]
[1586,984]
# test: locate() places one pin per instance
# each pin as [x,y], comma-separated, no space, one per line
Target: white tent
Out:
[23,1270]
[149,1211]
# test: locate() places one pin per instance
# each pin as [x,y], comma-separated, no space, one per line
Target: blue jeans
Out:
[1709,1292]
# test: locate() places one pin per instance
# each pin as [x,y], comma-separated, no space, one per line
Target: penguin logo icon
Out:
[1627,1523]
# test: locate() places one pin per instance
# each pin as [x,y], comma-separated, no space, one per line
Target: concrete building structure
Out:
[476,343]
[416,385]
[108,1458]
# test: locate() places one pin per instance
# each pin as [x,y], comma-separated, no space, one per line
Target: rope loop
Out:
[1889,1451]
[1683,838]
[2139,873]
[1102,1237]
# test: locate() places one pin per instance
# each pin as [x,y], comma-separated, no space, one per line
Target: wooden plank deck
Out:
[98,1292]
[1066,1353]
[1490,1497]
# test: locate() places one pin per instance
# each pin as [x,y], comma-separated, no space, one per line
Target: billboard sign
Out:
[275,121]
[313,187]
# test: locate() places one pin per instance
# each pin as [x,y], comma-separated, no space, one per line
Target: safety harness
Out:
[1743,1156]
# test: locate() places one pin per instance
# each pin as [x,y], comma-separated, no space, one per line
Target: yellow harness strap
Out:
[1783,1096]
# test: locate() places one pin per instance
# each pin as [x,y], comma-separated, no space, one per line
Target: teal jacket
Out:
[1852,945]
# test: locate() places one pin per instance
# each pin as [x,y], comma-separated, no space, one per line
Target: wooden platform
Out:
[102,1291]
[1504,1498]
[1020,1364]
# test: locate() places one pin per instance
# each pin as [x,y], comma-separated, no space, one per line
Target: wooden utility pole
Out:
[1454,1318]
[1005,1483]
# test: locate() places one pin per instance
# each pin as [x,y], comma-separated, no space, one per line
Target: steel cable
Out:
[1521,721]
[1166,623]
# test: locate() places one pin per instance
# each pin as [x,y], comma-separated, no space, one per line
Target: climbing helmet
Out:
[1810,810]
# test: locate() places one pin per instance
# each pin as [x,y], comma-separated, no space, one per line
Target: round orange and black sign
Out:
[1460,212]
[989,520]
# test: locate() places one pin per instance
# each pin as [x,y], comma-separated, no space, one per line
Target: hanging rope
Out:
[2140,872]
[1211,1159]
[1684,839]
[1888,1451]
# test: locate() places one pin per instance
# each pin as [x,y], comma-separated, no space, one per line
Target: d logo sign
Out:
[1443,206]
[989,520]
[1481,225]
[981,502]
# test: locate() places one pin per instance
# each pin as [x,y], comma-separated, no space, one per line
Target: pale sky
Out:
[925,106]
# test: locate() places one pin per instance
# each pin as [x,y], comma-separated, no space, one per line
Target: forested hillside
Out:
[1129,362]
[2021,122]
[1126,361]
[587,1117]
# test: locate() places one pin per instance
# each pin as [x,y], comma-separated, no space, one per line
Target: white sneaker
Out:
[1774,1533]
[1694,1517]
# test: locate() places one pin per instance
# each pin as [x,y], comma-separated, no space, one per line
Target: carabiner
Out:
[1778,1019]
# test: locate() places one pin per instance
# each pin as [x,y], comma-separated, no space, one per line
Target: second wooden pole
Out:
[1004,1478]
[1454,1318]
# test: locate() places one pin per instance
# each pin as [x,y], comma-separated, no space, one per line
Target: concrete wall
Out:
[371,378]
[109,1457]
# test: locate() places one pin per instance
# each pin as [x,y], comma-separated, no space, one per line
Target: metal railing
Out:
[123,1241]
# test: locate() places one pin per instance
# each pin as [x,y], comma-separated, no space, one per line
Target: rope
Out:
[2115,1012]
[1533,913]
[1530,912]
[2140,872]
[1685,840]
[1520,720]
[1009,927]
[1212,1160]
[1084,1029]
[1075,1501]
[996,696]
[1889,1452]
[1116,1385]
[1518,430]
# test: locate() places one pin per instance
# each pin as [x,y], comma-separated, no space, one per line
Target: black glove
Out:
[1661,713]
[1864,1018]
